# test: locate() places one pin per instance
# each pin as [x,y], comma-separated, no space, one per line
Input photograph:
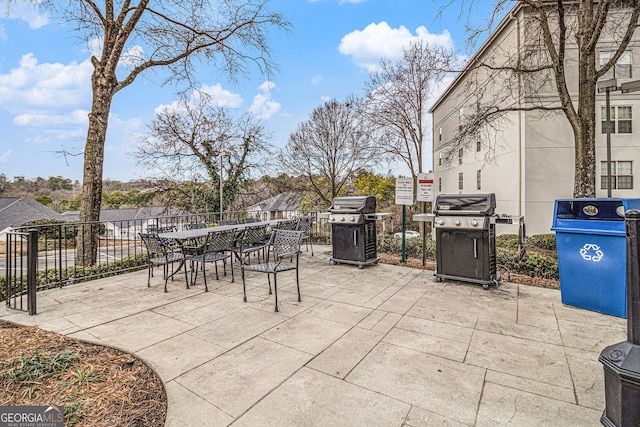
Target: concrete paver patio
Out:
[380,346]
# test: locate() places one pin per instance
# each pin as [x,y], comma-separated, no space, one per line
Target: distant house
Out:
[16,211]
[127,223]
[283,206]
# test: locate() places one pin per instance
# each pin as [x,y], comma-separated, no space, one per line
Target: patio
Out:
[384,345]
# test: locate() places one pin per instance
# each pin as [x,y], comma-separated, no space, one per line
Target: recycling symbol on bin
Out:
[591,252]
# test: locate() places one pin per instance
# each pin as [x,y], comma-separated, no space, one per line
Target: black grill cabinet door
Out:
[463,253]
[348,242]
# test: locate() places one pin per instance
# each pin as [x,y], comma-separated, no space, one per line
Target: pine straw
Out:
[99,389]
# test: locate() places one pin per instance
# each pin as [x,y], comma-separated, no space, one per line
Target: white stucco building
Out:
[527,157]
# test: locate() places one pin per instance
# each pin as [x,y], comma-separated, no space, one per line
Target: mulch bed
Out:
[102,386]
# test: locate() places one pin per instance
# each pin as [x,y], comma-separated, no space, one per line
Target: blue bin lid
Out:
[592,215]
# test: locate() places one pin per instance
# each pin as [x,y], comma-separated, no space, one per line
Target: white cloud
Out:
[129,58]
[376,41]
[33,85]
[317,79]
[4,157]
[263,106]
[25,10]
[215,95]
[76,117]
[325,98]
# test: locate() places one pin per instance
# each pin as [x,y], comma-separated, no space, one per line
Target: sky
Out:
[333,45]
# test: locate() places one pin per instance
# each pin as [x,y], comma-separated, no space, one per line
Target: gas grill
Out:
[353,229]
[466,238]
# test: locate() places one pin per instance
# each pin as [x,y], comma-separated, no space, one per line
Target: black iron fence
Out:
[21,265]
[44,256]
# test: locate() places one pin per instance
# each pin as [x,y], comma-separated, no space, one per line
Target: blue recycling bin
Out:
[591,244]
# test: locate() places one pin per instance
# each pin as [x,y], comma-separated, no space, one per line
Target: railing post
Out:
[32,270]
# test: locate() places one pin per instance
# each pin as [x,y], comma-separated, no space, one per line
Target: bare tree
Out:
[172,35]
[185,141]
[330,147]
[398,97]
[561,39]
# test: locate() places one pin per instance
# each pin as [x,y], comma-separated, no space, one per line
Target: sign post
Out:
[404,197]
[425,194]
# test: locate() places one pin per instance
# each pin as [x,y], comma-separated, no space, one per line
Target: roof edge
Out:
[483,48]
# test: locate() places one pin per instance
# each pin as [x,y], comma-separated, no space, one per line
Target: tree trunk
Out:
[584,134]
[88,238]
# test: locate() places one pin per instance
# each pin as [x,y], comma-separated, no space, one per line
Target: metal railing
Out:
[44,256]
[20,279]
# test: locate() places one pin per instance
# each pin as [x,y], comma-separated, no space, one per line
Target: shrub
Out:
[542,241]
[507,241]
[534,265]
[413,247]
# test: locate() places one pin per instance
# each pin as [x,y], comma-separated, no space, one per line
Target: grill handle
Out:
[475,248]
[355,238]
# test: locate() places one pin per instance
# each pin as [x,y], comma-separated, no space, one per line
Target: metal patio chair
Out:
[304,224]
[159,253]
[283,244]
[214,248]
[173,244]
[195,226]
[289,224]
[250,241]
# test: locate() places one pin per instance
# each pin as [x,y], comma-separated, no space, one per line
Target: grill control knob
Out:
[458,222]
[353,219]
[474,222]
[342,219]
[332,218]
[440,222]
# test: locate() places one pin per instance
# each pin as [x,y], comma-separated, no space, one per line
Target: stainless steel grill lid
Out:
[465,204]
[353,204]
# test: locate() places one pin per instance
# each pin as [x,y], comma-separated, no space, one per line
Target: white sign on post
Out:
[404,191]
[425,187]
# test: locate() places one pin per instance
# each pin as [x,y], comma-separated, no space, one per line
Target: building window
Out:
[620,119]
[439,185]
[478,142]
[621,175]
[460,154]
[440,135]
[478,179]
[460,118]
[621,69]
[460,181]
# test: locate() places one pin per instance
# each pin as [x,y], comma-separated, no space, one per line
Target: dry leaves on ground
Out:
[99,386]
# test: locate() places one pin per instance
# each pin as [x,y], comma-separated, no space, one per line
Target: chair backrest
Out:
[250,219]
[153,243]
[220,240]
[304,224]
[195,226]
[287,225]
[254,234]
[228,222]
[286,242]
[166,229]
